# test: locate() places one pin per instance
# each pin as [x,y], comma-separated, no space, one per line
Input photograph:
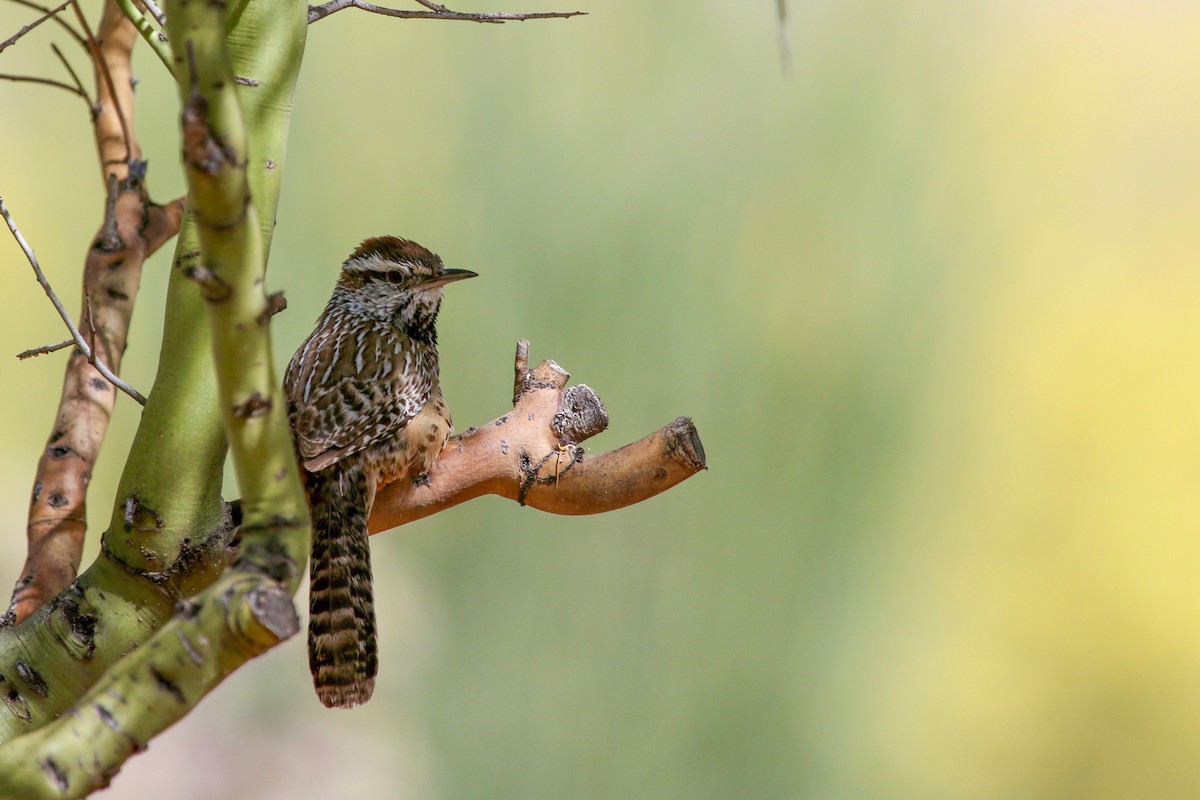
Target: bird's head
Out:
[400,280]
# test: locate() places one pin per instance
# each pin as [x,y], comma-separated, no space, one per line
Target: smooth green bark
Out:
[167,536]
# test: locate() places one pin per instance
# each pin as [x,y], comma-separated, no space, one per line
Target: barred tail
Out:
[341,625]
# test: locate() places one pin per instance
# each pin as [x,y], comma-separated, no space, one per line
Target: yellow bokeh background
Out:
[931,300]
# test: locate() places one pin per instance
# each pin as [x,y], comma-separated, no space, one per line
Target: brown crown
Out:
[394,249]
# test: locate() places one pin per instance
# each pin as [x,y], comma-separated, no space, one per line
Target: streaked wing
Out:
[349,386]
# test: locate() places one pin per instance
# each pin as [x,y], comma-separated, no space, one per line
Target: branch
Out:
[531,455]
[76,336]
[156,12]
[76,35]
[46,82]
[45,348]
[435,12]
[71,71]
[156,686]
[249,608]
[151,554]
[153,36]
[49,13]
[231,281]
[133,229]
[169,531]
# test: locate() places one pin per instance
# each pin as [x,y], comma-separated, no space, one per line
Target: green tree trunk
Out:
[168,536]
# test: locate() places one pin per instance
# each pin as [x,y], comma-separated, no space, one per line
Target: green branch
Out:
[151,34]
[156,686]
[230,274]
[169,528]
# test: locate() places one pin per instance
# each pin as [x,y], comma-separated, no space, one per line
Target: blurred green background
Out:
[932,302]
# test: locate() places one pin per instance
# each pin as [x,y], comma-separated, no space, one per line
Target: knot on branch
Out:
[137,173]
[260,552]
[580,415]
[201,149]
[140,517]
[273,608]
[276,303]
[546,375]
[259,612]
[215,290]
[71,622]
[253,406]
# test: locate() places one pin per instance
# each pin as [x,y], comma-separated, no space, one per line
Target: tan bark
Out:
[532,455]
[133,228]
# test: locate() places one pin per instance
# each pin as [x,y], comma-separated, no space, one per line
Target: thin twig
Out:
[65,25]
[156,12]
[98,58]
[47,81]
[91,320]
[435,12]
[71,72]
[76,336]
[46,348]
[16,36]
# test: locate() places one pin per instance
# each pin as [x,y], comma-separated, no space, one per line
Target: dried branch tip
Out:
[434,11]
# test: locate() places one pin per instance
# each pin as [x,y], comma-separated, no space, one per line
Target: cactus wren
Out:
[366,409]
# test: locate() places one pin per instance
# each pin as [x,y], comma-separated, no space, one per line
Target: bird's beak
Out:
[449,276]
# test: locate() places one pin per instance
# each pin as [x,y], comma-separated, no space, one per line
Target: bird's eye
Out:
[394,277]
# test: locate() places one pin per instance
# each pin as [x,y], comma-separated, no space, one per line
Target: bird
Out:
[365,407]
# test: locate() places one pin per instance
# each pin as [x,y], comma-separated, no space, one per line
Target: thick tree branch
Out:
[434,11]
[532,455]
[155,687]
[249,608]
[230,276]
[169,530]
[161,545]
[133,228]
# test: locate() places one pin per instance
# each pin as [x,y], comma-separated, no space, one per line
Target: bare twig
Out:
[90,316]
[434,11]
[47,82]
[46,348]
[155,12]
[104,74]
[76,336]
[62,22]
[70,71]
[16,36]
